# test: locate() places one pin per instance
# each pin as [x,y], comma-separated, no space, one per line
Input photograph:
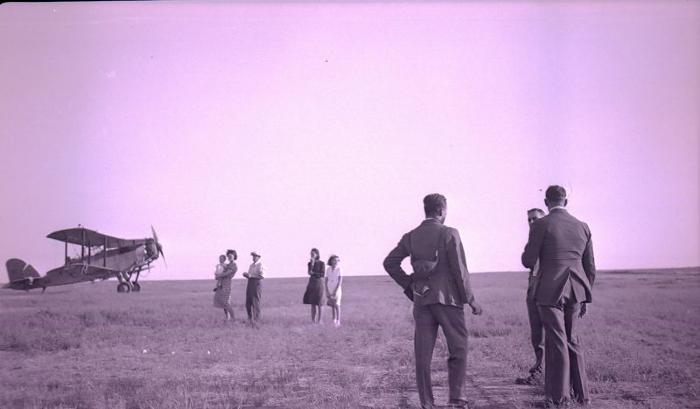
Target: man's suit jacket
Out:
[533,280]
[564,248]
[449,281]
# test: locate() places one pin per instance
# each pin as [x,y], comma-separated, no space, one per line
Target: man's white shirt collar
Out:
[557,207]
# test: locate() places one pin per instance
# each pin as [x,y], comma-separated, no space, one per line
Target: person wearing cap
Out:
[533,314]
[253,292]
[439,288]
[562,245]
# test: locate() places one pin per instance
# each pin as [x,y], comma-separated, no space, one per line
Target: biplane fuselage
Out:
[113,257]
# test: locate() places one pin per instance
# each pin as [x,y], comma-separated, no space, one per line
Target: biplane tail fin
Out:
[18,270]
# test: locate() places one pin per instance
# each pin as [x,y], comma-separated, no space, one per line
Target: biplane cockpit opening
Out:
[100,257]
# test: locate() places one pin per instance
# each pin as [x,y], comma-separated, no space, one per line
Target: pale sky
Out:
[278,127]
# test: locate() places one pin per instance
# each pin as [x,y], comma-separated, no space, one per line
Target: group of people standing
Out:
[559,256]
[225,271]
[324,287]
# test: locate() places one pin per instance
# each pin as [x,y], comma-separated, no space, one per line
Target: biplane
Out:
[101,257]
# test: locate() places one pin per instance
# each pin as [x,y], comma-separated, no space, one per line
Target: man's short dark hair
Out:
[536,210]
[555,194]
[235,255]
[433,203]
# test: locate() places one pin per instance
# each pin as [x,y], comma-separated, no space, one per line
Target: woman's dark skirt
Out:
[314,294]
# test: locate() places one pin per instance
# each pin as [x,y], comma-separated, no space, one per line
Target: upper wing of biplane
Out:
[85,237]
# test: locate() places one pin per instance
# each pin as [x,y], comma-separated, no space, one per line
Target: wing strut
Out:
[82,246]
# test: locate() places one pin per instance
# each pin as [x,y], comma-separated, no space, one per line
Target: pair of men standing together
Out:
[439,288]
[559,251]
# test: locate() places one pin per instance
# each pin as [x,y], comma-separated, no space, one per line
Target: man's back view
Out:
[564,248]
[564,242]
[439,292]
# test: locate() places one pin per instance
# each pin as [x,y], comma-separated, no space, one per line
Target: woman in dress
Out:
[314,290]
[224,274]
[334,287]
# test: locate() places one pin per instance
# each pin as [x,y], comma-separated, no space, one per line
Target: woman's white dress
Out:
[333,277]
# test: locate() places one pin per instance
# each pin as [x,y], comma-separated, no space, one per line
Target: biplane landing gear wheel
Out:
[123,288]
[136,287]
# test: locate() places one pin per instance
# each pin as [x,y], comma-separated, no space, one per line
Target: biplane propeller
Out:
[158,246]
[101,257]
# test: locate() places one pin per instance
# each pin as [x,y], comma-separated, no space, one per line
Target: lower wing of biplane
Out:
[25,277]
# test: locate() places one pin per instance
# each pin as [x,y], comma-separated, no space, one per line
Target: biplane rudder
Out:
[18,270]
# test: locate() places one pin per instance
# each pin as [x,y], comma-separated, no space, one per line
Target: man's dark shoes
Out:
[550,404]
[455,404]
[535,378]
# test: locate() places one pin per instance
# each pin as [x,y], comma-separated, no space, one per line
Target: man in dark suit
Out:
[563,246]
[439,294]
[533,314]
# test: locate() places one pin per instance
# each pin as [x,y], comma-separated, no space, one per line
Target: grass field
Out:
[86,346]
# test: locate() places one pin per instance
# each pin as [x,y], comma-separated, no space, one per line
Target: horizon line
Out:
[604,271]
